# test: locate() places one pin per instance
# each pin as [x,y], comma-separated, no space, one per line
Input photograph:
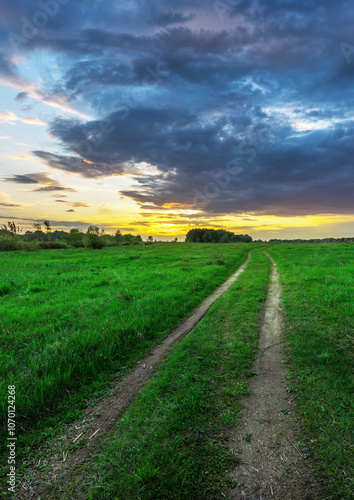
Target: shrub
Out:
[75,238]
[92,240]
[108,240]
[10,243]
[49,245]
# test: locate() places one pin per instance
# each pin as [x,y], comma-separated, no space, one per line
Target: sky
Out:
[154,117]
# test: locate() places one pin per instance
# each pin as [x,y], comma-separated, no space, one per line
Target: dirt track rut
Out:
[272,465]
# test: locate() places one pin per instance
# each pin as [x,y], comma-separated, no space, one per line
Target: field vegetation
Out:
[170,443]
[74,320]
[11,238]
[70,319]
[318,298]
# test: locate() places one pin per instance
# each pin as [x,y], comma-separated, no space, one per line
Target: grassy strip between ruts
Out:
[318,297]
[169,444]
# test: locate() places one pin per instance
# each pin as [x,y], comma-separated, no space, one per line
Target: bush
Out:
[93,241]
[49,245]
[77,243]
[10,243]
[108,240]
[75,238]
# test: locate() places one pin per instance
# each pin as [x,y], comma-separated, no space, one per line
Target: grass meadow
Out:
[71,318]
[318,299]
[73,321]
[169,444]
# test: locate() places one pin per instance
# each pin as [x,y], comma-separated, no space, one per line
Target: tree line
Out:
[94,237]
[206,235]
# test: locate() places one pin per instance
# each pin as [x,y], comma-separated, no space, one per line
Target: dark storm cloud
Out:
[198,57]
[168,18]
[277,170]
[265,84]
[170,138]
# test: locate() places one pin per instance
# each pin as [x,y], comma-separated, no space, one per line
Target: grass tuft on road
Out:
[318,297]
[169,444]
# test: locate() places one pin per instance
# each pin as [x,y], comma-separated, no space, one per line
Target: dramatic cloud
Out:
[168,18]
[222,107]
[221,164]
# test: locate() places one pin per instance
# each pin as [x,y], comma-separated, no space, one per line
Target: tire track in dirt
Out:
[101,418]
[272,466]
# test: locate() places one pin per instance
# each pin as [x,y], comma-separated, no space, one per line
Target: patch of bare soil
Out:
[99,419]
[272,465]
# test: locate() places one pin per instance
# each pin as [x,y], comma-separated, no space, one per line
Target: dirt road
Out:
[272,465]
[99,419]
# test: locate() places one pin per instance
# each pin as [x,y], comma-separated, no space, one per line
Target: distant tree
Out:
[109,240]
[47,225]
[205,235]
[11,227]
[225,239]
[195,235]
[150,239]
[75,237]
[118,236]
[93,240]
[36,235]
[130,239]
[93,230]
[37,226]
[57,235]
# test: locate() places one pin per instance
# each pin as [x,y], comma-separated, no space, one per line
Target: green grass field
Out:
[169,443]
[73,321]
[318,298]
[69,319]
